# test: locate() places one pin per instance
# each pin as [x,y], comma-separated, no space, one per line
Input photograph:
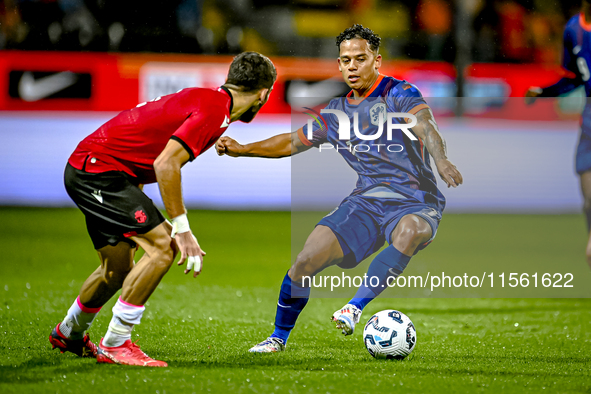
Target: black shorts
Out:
[114,206]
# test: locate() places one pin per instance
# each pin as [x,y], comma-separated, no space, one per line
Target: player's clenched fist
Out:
[220,146]
[228,146]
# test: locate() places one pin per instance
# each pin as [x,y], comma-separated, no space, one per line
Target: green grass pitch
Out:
[203,327]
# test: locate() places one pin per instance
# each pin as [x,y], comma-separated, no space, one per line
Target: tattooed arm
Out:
[427,130]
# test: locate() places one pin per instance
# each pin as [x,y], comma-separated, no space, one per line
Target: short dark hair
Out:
[358,31]
[252,71]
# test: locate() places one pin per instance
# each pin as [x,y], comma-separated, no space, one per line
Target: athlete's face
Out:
[256,106]
[358,64]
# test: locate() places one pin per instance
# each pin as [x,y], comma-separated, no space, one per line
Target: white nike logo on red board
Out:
[34,89]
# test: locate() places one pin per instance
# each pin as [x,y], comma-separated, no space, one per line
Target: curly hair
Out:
[358,31]
[251,71]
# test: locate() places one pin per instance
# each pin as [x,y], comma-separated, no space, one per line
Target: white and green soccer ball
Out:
[390,334]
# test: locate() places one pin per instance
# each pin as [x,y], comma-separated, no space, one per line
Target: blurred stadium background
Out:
[497,30]
[66,66]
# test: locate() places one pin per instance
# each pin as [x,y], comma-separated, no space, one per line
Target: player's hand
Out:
[228,146]
[449,173]
[532,94]
[190,251]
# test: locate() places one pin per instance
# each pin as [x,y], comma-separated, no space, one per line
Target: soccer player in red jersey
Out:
[104,177]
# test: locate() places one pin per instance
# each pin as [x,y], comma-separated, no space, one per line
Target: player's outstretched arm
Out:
[281,145]
[168,173]
[563,86]
[427,130]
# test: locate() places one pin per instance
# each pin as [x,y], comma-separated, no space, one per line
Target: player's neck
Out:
[361,92]
[241,102]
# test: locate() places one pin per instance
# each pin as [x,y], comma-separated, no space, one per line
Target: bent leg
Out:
[106,280]
[140,283]
[159,254]
[101,285]
[321,250]
[410,232]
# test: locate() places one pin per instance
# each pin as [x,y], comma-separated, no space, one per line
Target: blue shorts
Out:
[362,224]
[583,157]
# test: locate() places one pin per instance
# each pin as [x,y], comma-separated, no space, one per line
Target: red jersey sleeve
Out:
[201,130]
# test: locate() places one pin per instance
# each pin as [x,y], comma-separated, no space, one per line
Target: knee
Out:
[305,265]
[587,204]
[411,232]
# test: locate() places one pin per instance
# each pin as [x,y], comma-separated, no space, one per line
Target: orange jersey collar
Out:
[367,94]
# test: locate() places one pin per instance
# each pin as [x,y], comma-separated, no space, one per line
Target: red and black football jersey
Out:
[132,140]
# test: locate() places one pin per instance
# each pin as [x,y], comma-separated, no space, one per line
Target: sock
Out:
[125,316]
[78,320]
[288,308]
[388,263]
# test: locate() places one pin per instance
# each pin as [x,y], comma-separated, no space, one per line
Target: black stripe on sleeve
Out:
[177,139]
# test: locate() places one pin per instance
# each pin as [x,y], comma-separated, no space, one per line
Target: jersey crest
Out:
[375,111]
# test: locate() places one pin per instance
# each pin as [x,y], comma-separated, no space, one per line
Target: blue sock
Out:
[388,263]
[288,308]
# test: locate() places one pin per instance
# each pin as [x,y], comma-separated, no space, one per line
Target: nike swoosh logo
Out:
[31,89]
[284,306]
[317,92]
[98,197]
[392,272]
[226,122]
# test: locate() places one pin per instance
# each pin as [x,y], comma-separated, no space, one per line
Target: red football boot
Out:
[127,354]
[80,347]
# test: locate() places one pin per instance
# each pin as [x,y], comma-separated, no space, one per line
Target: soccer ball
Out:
[389,334]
